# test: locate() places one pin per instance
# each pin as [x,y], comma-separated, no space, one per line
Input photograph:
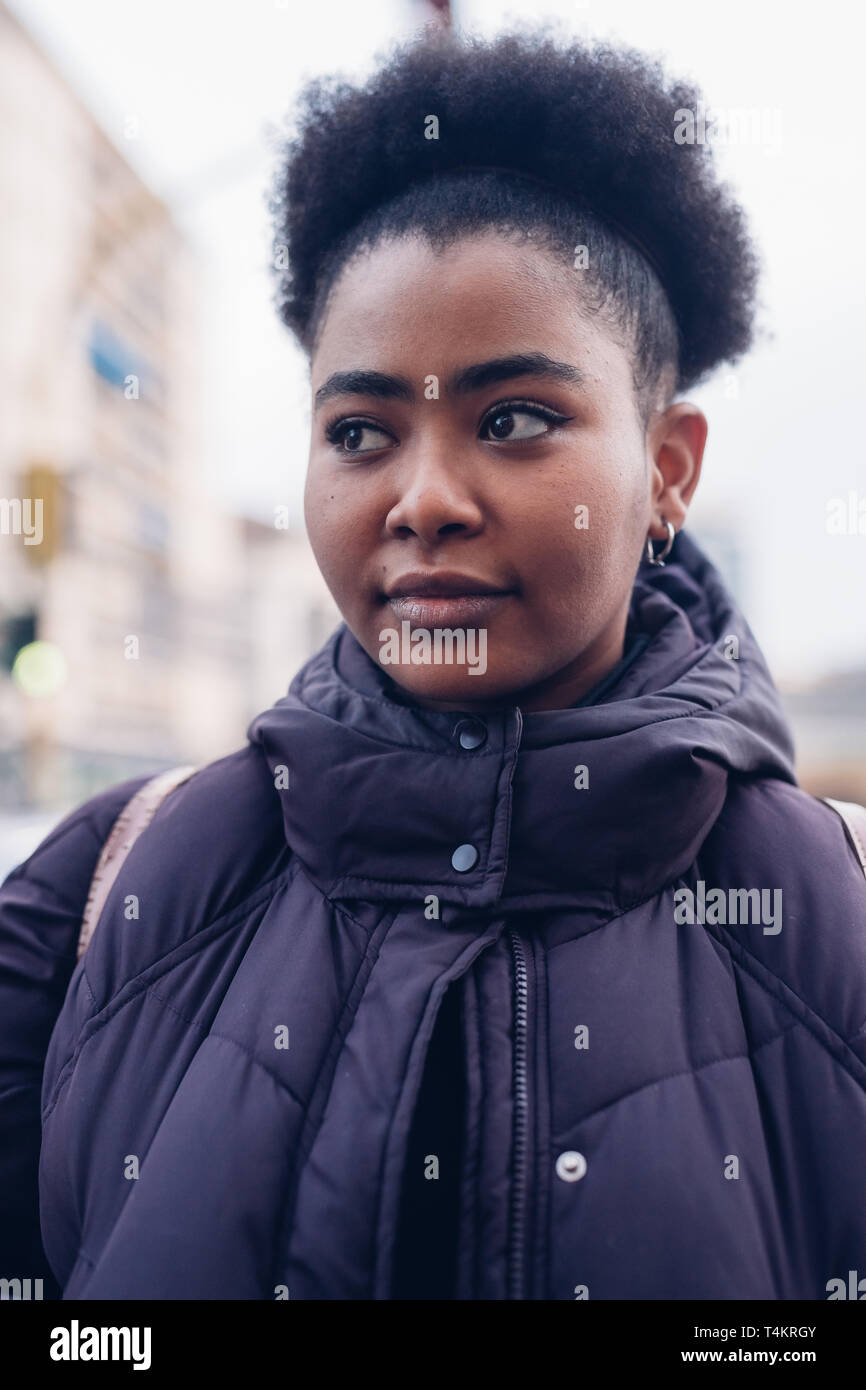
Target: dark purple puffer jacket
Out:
[656,1108]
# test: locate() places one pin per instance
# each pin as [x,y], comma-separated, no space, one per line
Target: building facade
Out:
[144,591]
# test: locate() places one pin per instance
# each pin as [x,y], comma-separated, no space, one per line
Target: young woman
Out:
[507,960]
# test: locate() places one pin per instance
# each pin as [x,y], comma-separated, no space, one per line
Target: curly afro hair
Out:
[578,147]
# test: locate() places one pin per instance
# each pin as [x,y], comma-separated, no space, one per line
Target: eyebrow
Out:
[387,387]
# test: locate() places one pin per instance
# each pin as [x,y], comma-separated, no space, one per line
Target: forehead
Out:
[403,305]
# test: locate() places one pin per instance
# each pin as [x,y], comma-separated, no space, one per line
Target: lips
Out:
[442,584]
[431,598]
[445,598]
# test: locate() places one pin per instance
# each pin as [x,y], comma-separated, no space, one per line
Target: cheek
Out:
[322,513]
[339,519]
[582,538]
[589,516]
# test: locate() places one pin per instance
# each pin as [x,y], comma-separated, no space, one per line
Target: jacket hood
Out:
[381,793]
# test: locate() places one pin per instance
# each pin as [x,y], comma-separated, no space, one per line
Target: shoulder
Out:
[41,905]
[46,893]
[191,887]
[211,851]
[774,837]
[767,822]
[214,840]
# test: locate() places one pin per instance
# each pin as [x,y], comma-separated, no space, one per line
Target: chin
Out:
[453,689]
[441,658]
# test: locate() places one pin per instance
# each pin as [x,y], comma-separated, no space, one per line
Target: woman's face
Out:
[471,420]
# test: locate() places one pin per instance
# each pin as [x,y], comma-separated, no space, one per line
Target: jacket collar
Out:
[381,793]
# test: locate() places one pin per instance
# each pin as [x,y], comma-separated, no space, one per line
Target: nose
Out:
[435,499]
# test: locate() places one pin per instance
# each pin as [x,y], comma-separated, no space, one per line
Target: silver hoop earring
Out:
[659,559]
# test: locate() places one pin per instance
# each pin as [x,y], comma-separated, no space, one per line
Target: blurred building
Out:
[717,533]
[829,728]
[827,716]
[147,594]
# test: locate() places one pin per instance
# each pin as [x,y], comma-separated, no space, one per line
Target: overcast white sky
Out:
[207,78]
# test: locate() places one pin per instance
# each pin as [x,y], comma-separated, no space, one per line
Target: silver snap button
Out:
[464,858]
[570,1166]
[470,733]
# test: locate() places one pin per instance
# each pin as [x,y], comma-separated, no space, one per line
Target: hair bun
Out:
[595,122]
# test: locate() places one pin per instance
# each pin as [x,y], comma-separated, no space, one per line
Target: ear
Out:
[675,443]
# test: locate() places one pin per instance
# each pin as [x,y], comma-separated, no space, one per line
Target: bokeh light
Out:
[40,669]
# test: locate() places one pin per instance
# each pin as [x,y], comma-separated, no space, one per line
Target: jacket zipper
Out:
[517,1234]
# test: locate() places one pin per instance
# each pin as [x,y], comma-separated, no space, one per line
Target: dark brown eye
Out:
[502,424]
[352,437]
[519,422]
[348,436]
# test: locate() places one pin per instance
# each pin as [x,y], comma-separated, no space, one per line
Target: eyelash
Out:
[335,428]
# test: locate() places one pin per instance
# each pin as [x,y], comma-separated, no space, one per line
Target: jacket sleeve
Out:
[41,906]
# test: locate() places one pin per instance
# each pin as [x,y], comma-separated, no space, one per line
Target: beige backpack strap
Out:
[135,816]
[854,819]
